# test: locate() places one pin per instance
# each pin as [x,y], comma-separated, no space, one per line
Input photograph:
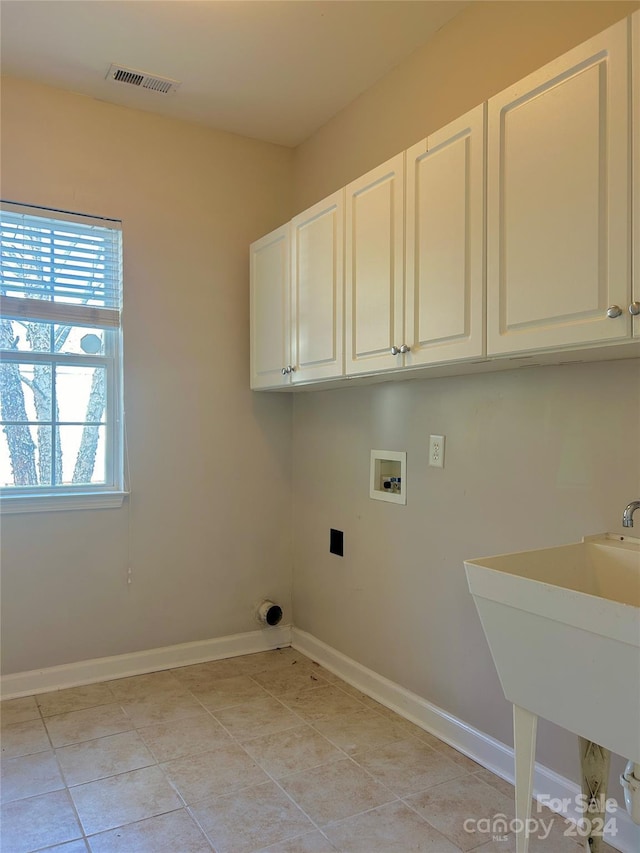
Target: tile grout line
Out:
[308,724]
[278,696]
[64,779]
[396,797]
[211,712]
[86,837]
[142,820]
[270,776]
[346,755]
[426,820]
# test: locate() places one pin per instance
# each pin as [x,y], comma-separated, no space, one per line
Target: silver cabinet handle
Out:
[285,370]
[404,348]
[395,351]
[634,308]
[614,311]
[291,369]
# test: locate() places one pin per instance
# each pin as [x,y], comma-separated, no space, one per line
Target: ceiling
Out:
[275,70]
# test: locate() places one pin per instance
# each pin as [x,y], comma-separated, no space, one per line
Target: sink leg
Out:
[594,763]
[524,741]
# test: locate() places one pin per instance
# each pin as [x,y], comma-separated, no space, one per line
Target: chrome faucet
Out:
[627,515]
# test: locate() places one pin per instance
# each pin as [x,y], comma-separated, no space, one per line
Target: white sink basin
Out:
[563,625]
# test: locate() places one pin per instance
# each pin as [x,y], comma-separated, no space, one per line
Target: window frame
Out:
[112,492]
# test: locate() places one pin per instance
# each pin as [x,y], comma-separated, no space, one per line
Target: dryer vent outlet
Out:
[269,614]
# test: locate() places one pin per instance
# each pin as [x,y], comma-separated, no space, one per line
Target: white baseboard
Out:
[490,753]
[137,663]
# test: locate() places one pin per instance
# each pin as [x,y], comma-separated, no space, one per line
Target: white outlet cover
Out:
[436,451]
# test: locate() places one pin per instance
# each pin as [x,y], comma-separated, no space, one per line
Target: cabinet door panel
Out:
[317,290]
[374,268]
[445,244]
[270,309]
[558,214]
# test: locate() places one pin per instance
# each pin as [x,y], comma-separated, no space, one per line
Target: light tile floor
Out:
[267,752]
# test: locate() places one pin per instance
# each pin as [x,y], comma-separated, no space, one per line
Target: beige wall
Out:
[210,462]
[533,457]
[483,50]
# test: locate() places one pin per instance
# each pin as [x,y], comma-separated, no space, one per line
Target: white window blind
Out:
[62,269]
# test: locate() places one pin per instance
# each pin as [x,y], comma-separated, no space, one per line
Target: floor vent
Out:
[162,85]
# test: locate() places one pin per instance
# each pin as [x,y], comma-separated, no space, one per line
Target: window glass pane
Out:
[80,393]
[25,455]
[79,340]
[25,392]
[82,459]
[26,336]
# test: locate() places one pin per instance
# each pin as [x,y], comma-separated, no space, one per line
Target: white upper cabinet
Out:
[270,310]
[514,230]
[374,248]
[635,167]
[317,293]
[558,202]
[444,271]
[441,317]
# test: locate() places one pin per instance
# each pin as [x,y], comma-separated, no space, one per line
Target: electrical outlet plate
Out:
[436,451]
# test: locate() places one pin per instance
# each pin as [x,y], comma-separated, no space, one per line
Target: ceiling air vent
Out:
[163,85]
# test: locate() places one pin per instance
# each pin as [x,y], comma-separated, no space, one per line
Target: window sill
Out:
[12,504]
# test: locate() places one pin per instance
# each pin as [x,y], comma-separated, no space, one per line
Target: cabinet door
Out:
[374,268]
[317,292]
[558,201]
[444,273]
[270,309]
[635,164]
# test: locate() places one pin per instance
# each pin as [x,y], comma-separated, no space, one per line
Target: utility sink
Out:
[563,626]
